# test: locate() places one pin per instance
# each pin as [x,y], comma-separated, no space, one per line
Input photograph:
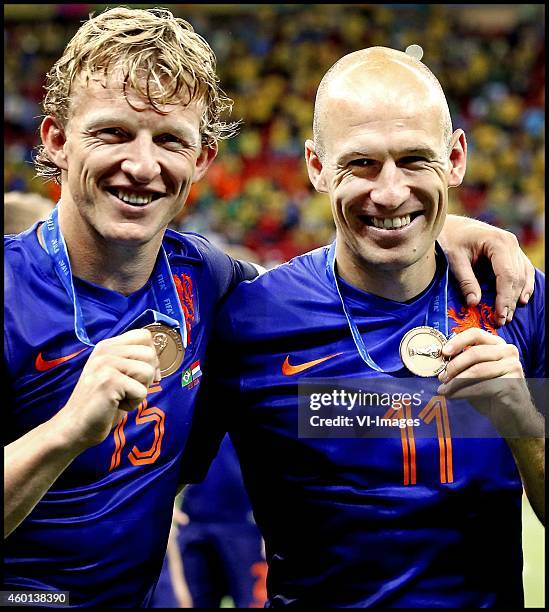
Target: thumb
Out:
[461,267]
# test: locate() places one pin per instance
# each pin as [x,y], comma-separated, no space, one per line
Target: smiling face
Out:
[386,174]
[126,173]
[386,165]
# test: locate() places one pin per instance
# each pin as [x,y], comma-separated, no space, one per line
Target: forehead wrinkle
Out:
[371,150]
[404,113]
[158,122]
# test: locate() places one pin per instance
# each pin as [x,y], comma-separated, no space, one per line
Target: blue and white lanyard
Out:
[168,311]
[436,315]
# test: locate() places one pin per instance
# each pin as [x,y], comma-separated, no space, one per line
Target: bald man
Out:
[377,498]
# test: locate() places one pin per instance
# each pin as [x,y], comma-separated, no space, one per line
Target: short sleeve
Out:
[226,271]
[538,366]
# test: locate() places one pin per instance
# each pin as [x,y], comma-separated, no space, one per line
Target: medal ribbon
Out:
[436,315]
[168,311]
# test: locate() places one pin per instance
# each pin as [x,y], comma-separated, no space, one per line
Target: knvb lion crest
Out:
[184,286]
[481,316]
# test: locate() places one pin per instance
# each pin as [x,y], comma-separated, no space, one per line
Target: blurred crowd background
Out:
[488,58]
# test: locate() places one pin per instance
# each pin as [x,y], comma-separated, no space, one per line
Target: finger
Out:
[475,355]
[486,383]
[528,288]
[133,393]
[139,352]
[485,371]
[508,283]
[118,417]
[129,405]
[470,389]
[460,265]
[134,336]
[138,370]
[469,337]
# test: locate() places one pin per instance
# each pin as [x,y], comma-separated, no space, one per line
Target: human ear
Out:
[458,158]
[314,167]
[204,160]
[54,139]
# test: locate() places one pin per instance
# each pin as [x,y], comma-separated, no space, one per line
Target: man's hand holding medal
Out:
[486,370]
[115,379]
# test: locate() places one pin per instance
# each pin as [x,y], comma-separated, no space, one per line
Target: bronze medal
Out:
[421,351]
[169,347]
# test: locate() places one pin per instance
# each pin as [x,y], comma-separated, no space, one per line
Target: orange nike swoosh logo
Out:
[42,365]
[290,370]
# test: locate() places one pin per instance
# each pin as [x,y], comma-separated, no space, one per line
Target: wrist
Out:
[519,421]
[452,228]
[65,433]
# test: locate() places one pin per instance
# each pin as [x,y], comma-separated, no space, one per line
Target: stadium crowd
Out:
[270,61]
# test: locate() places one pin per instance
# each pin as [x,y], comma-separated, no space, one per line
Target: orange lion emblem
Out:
[481,316]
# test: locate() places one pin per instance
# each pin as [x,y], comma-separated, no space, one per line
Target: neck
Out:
[120,267]
[397,284]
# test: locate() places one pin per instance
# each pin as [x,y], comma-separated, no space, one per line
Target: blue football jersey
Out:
[221,497]
[101,531]
[402,521]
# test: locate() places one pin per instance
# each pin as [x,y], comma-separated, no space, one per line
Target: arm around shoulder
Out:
[465,240]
